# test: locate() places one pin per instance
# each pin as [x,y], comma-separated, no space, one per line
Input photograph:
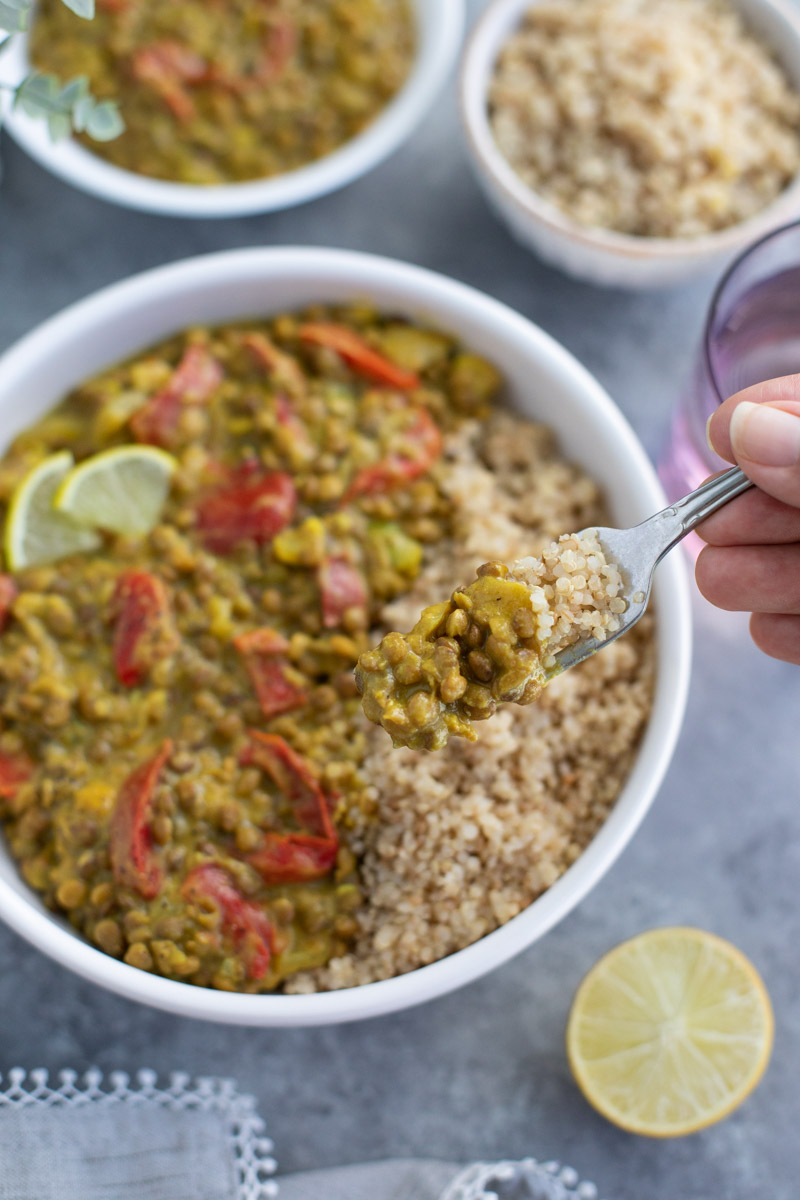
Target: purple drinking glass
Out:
[752,333]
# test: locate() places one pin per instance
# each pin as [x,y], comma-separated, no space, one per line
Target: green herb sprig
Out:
[66,107]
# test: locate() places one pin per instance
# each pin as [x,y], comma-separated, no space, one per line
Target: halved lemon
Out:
[35,533]
[122,490]
[669,1032]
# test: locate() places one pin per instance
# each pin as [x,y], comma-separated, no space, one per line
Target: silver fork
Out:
[638,551]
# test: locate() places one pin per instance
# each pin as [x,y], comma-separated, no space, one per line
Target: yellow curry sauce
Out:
[215,91]
[181,732]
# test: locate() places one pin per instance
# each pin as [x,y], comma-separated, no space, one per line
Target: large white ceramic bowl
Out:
[543,381]
[602,256]
[439,29]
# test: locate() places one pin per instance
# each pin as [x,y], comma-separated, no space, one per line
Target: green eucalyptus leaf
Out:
[73,92]
[13,20]
[38,95]
[104,122]
[82,8]
[81,112]
[59,126]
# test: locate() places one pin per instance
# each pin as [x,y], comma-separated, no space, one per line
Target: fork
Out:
[638,551]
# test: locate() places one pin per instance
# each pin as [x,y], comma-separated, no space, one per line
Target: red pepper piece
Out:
[254,511]
[293,858]
[342,586]
[167,67]
[282,367]
[359,355]
[194,381]
[144,632]
[261,641]
[244,922]
[278,50]
[8,594]
[276,53]
[401,466]
[292,776]
[15,769]
[264,653]
[133,860]
[301,448]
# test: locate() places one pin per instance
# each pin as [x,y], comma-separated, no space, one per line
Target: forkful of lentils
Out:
[505,636]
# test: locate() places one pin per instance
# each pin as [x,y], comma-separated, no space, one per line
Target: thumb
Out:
[765,439]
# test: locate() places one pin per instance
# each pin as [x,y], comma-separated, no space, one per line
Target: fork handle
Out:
[675,522]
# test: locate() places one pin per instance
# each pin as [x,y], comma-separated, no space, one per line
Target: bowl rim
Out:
[337,272]
[440,26]
[488,37]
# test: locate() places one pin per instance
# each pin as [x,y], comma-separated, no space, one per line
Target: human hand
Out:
[752,560]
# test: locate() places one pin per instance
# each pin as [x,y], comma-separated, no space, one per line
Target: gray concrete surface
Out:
[481,1073]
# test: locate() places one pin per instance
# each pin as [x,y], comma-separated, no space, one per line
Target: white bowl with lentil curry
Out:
[203,820]
[239,109]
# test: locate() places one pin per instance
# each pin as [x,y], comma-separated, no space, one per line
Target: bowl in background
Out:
[439,28]
[602,256]
[543,381]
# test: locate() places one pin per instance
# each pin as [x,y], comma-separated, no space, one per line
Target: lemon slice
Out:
[35,533]
[122,490]
[670,1032]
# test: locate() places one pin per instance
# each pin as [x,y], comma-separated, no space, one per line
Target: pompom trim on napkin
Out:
[252,1152]
[480,1181]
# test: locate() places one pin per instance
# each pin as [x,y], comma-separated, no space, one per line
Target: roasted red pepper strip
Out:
[144,631]
[284,369]
[293,858]
[342,586]
[292,776]
[167,67]
[264,654]
[278,47]
[359,355]
[15,769]
[400,467]
[242,921]
[194,381]
[8,594]
[261,641]
[254,511]
[133,860]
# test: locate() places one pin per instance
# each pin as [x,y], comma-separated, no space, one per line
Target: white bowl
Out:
[544,382]
[600,255]
[439,28]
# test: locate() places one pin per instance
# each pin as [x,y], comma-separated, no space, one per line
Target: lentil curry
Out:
[216,91]
[492,642]
[181,733]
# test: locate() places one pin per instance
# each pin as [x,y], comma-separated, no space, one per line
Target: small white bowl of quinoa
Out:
[634,143]
[467,856]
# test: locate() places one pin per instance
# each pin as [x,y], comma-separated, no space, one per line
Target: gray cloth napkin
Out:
[87,1138]
[121,1153]
[395,1179]
[427,1179]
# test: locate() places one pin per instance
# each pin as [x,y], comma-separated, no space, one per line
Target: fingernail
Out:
[709,442]
[766,435]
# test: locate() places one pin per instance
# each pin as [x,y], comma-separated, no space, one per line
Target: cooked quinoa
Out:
[494,641]
[658,118]
[462,841]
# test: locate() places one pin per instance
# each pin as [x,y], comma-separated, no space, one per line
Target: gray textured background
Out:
[481,1073]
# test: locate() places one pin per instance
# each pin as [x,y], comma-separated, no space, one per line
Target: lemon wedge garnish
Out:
[35,533]
[669,1032]
[122,490]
